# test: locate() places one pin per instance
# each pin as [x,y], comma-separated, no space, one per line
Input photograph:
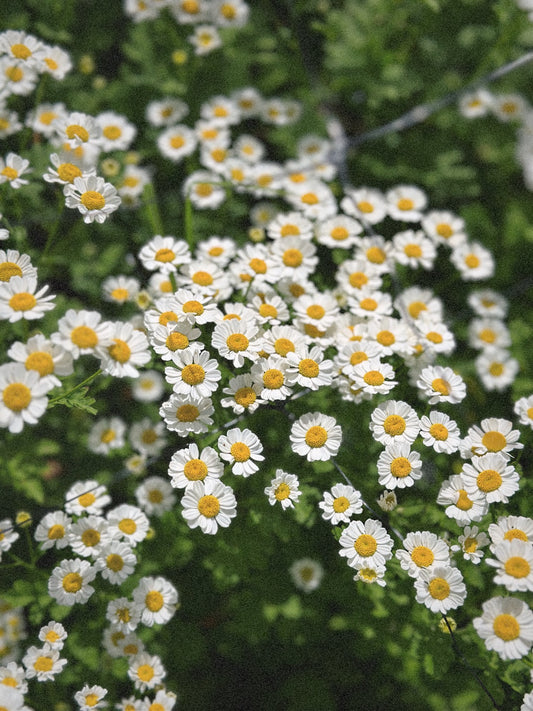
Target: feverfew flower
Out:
[129,523]
[399,467]
[190,464]
[69,582]
[208,505]
[339,505]
[284,488]
[440,432]
[157,599]
[128,349]
[23,396]
[19,299]
[107,434]
[88,497]
[146,671]
[441,588]
[507,528]
[53,634]
[165,254]
[316,436]
[195,374]
[493,435]
[186,414]
[394,422]
[11,170]
[492,477]
[90,697]
[306,574]
[422,550]
[471,543]
[506,625]
[93,197]
[514,565]
[43,663]
[365,544]
[440,384]
[241,448]
[462,506]
[523,409]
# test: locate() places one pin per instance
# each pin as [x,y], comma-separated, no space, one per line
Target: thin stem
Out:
[187,223]
[151,209]
[85,382]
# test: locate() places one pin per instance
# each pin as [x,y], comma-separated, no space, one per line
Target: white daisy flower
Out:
[81,332]
[440,432]
[371,574]
[17,79]
[13,263]
[496,369]
[473,261]
[166,111]
[147,437]
[12,168]
[77,129]
[365,303]
[494,435]
[208,505]
[440,384]
[43,663]
[8,535]
[21,46]
[148,387]
[23,396]
[129,523]
[19,299]
[272,375]
[217,249]
[93,197]
[308,368]
[444,228]
[297,257]
[415,303]
[319,310]
[440,589]
[373,376]
[492,476]
[488,333]
[41,355]
[282,340]
[365,544]
[406,203]
[421,551]
[177,142]
[115,561]
[195,374]
[146,671]
[506,626]
[155,496]
[514,565]
[53,530]
[53,634]
[316,436]
[128,349]
[157,599]
[120,289]
[241,448]
[413,249]
[88,497]
[196,307]
[313,197]
[117,132]
[365,204]
[56,61]
[187,414]
[190,464]
[462,506]
[487,303]
[399,467]
[394,422]
[69,582]
[356,274]
[90,697]
[107,434]
[244,394]
[237,340]
[509,528]
[284,488]
[270,309]
[306,574]
[339,231]
[290,224]
[88,534]
[339,505]
[435,336]
[391,334]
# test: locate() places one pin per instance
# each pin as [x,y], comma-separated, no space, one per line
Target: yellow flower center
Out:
[441,386]
[228,11]
[92,200]
[127,526]
[187,413]
[245,397]
[282,491]
[444,230]
[289,230]
[149,436]
[51,64]
[112,132]
[219,154]
[84,337]
[374,377]
[76,131]
[365,206]
[177,141]
[164,255]
[195,470]
[493,441]
[438,431]
[386,338]
[368,304]
[309,199]
[16,397]
[472,261]
[92,699]
[90,537]
[413,250]
[506,627]
[358,279]
[87,499]
[296,290]
[496,369]
[237,342]
[292,258]
[394,425]
[268,311]
[120,351]
[487,335]
[400,467]
[416,307]
[14,74]
[40,361]
[489,480]
[193,374]
[120,294]
[366,545]
[513,533]
[72,582]
[203,189]
[463,501]
[56,531]
[154,601]
[20,51]
[52,636]
[405,204]
[422,556]
[282,346]
[240,451]
[340,504]
[315,311]
[43,664]
[145,672]
[114,562]
[155,496]
[316,436]
[434,337]
[209,506]
[167,316]
[216,251]
[375,255]
[470,545]
[108,436]
[8,270]
[23,301]
[202,278]
[273,379]
[339,234]
[259,266]
[439,589]
[517,567]
[308,368]
[176,341]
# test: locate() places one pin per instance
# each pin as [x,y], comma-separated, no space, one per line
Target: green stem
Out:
[55,229]
[85,382]
[151,209]
[187,220]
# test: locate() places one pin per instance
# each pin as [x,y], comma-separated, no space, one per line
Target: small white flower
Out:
[93,197]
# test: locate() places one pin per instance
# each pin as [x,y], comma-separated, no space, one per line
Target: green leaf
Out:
[77,399]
